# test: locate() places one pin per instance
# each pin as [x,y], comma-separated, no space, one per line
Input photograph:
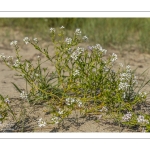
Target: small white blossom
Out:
[99,47]
[26,40]
[68,40]
[114,57]
[123,86]
[13,43]
[77,53]
[143,94]
[85,38]
[79,103]
[56,120]
[23,95]
[38,57]
[60,112]
[78,32]
[41,123]
[128,68]
[2,56]
[10,57]
[7,100]
[76,73]
[70,101]
[141,119]
[16,64]
[62,27]
[36,75]
[127,116]
[52,30]
[35,40]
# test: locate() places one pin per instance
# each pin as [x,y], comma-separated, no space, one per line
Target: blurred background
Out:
[118,33]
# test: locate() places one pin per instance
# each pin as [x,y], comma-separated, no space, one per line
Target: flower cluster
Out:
[16,64]
[62,27]
[126,79]
[7,100]
[70,101]
[99,48]
[56,119]
[2,56]
[26,40]
[41,123]
[113,58]
[142,120]
[68,40]
[60,112]
[76,73]
[142,94]
[35,40]
[13,43]
[23,95]
[127,116]
[76,54]
[52,30]
[78,32]
[85,38]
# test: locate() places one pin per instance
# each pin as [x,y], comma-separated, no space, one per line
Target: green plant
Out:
[85,80]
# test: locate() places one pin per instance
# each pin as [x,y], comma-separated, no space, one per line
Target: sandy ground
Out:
[129,56]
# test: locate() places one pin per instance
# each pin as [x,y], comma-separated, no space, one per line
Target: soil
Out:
[128,56]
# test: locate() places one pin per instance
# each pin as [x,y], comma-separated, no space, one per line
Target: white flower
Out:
[142,94]
[52,30]
[56,120]
[68,40]
[16,64]
[78,32]
[79,103]
[76,73]
[10,57]
[127,116]
[60,112]
[114,57]
[99,47]
[128,68]
[41,123]
[141,119]
[35,40]
[13,43]
[36,75]
[62,27]
[77,53]
[23,95]
[38,57]
[7,100]
[85,38]
[2,56]
[123,86]
[26,40]
[70,101]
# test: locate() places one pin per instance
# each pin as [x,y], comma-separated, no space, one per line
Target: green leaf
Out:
[16,87]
